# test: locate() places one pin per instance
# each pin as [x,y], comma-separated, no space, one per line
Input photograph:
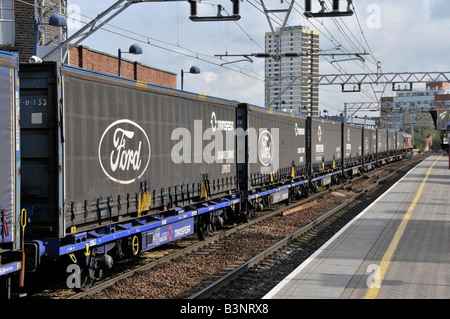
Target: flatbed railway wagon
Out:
[11,246]
[111,165]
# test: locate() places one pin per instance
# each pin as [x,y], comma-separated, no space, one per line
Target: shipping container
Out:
[392,142]
[276,144]
[95,146]
[10,212]
[370,144]
[352,144]
[382,143]
[326,151]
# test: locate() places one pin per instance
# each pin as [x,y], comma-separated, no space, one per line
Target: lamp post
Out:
[279,105]
[193,70]
[134,49]
[55,20]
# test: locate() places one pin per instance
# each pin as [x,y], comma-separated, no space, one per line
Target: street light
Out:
[134,49]
[193,70]
[55,20]
[279,105]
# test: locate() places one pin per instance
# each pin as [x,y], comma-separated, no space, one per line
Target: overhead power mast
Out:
[219,17]
[323,11]
[114,10]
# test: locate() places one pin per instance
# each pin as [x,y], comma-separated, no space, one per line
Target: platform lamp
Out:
[134,49]
[55,20]
[279,105]
[193,70]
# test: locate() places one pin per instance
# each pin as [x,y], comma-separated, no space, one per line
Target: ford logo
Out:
[266,148]
[124,151]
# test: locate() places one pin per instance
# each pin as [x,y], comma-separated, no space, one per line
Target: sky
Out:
[403,35]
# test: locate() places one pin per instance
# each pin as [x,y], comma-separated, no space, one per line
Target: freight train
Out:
[108,167]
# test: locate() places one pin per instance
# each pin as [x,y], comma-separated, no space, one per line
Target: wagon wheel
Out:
[86,279]
[201,229]
[86,274]
[135,246]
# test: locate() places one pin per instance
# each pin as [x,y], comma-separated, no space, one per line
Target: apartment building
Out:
[291,80]
[410,109]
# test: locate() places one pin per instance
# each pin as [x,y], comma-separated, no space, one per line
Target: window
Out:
[7,32]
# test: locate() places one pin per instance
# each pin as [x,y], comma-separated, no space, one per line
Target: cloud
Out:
[209,77]
[439,10]
[410,37]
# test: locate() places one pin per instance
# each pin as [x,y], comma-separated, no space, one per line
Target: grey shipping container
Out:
[9,153]
[370,143]
[325,144]
[352,142]
[100,141]
[382,142]
[392,142]
[276,144]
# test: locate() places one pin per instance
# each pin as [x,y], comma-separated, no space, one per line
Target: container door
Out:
[39,149]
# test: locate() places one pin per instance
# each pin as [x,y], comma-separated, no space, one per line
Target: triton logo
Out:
[213,122]
[298,130]
[220,125]
[124,152]
[319,133]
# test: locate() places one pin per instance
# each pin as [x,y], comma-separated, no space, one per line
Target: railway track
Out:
[261,266]
[201,269]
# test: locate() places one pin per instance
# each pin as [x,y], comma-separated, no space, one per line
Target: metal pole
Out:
[120,62]
[182,79]
[345,113]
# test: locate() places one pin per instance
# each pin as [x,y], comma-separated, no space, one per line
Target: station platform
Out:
[397,248]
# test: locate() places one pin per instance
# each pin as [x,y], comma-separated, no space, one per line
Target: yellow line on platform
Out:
[386,260]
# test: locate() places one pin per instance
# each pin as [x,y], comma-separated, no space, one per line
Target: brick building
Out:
[17,28]
[17,33]
[87,58]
